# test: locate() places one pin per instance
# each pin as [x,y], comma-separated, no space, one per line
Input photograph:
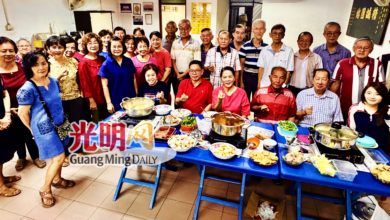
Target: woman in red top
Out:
[228,97]
[163,58]
[13,78]
[90,81]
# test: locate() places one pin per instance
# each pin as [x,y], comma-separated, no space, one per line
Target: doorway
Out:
[171,12]
[93,21]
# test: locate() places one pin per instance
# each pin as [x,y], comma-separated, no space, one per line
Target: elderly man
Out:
[206,36]
[318,104]
[249,54]
[274,103]
[238,37]
[195,93]
[351,75]
[276,54]
[183,51]
[332,52]
[305,62]
[171,30]
[221,56]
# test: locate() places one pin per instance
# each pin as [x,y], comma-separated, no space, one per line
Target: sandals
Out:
[39,163]
[20,164]
[64,183]
[9,192]
[11,179]
[47,199]
[66,162]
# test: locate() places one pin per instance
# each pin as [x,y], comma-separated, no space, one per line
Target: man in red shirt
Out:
[195,93]
[274,103]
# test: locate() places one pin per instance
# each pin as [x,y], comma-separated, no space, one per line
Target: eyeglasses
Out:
[332,33]
[363,48]
[195,71]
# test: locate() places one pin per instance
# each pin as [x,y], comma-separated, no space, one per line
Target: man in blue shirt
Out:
[332,52]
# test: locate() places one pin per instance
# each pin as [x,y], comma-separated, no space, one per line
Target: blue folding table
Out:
[307,173]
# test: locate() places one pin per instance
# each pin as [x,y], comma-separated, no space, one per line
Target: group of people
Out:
[87,77]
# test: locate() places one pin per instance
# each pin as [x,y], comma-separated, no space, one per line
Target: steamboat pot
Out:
[334,135]
[227,124]
[138,106]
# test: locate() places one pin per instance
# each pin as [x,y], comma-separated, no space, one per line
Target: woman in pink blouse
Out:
[228,97]
[144,57]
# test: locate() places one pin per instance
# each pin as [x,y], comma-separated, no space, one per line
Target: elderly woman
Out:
[13,78]
[34,116]
[118,76]
[130,46]
[229,97]
[143,57]
[90,81]
[370,115]
[64,69]
[8,148]
[24,47]
[70,46]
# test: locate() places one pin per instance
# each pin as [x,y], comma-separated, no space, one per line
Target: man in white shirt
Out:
[276,54]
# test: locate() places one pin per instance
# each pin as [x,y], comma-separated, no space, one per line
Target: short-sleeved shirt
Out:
[198,97]
[46,138]
[218,60]
[151,91]
[91,84]
[269,59]
[281,104]
[326,108]
[138,66]
[184,54]
[12,82]
[203,55]
[104,54]
[68,84]
[167,44]
[237,102]
[163,60]
[120,79]
[330,60]
[303,70]
[251,54]
[349,75]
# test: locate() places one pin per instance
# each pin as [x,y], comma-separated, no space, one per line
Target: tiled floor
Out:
[91,198]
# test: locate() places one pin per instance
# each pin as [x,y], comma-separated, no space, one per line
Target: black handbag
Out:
[62,129]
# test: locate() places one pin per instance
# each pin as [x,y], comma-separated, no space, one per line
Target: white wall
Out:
[312,15]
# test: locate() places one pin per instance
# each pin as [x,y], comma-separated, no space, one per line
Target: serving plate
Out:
[181,143]
[222,150]
[181,113]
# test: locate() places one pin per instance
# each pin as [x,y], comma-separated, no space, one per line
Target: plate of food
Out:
[180,113]
[381,172]
[164,132]
[264,158]
[294,158]
[223,151]
[188,124]
[169,120]
[181,143]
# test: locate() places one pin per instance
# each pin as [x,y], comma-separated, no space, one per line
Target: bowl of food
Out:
[294,158]
[181,143]
[264,158]
[138,106]
[269,144]
[223,151]
[181,113]
[227,124]
[163,109]
[253,143]
[188,124]
[287,128]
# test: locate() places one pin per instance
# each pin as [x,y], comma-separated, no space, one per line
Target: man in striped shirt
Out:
[318,104]
[249,54]
[221,56]
[351,75]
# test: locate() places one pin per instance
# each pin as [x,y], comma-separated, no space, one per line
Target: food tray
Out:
[163,133]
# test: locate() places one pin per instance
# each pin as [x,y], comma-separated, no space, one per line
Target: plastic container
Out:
[345,170]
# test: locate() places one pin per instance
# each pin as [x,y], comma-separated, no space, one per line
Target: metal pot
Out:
[137,107]
[334,135]
[227,124]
